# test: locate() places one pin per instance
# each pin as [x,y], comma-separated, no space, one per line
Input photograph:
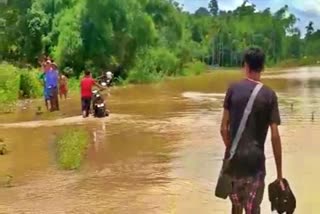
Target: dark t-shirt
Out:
[265,111]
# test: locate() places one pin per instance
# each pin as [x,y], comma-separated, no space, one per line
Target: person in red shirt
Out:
[86,84]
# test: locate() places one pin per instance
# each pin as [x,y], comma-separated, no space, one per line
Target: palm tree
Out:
[310,29]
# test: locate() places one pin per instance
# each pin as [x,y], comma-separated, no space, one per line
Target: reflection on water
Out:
[159,152]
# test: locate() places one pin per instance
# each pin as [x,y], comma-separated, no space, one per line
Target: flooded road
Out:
[159,152]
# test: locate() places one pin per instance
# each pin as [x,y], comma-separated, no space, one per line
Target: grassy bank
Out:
[9,86]
[17,83]
[71,147]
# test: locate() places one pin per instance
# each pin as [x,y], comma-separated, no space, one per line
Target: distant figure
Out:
[86,85]
[63,86]
[52,77]
[46,94]
[109,75]
[106,78]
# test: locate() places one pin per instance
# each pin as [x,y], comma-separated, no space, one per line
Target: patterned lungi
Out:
[247,193]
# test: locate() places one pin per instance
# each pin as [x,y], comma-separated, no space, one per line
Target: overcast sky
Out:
[305,10]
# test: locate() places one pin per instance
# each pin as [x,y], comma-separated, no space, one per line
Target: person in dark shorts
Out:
[86,84]
[86,104]
[248,185]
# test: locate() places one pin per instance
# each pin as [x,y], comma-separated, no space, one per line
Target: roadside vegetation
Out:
[141,41]
[17,83]
[71,148]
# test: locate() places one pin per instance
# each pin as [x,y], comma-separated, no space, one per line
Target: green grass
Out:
[16,83]
[30,85]
[72,146]
[194,68]
[143,76]
[9,86]
[74,85]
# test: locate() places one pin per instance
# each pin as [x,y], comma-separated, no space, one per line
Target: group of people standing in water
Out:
[54,83]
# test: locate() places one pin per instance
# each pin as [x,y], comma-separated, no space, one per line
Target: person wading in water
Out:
[247,167]
[63,86]
[86,84]
[46,94]
[52,78]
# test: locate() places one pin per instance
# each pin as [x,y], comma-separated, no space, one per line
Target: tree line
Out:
[139,37]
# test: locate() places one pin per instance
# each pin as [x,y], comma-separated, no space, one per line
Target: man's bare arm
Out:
[99,86]
[224,129]
[277,150]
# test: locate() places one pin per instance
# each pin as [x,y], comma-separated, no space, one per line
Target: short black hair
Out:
[255,58]
[87,72]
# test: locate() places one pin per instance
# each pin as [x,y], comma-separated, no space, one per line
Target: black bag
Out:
[224,184]
[282,201]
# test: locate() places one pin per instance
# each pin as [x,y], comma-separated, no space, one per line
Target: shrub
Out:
[120,81]
[15,82]
[165,61]
[30,85]
[72,145]
[9,86]
[73,85]
[194,68]
[152,65]
[143,75]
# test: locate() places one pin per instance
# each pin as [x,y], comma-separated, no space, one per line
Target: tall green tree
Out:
[310,29]
[139,35]
[202,11]
[213,7]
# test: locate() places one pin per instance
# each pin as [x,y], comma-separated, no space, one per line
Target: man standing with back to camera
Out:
[247,167]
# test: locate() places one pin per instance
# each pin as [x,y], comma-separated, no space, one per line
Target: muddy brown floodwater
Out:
[159,152]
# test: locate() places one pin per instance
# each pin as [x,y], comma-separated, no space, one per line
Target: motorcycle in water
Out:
[99,106]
